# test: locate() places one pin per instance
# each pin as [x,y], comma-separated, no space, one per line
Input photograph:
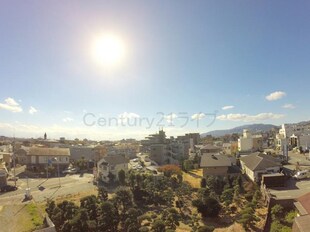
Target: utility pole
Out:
[58,171]
[14,164]
[57,159]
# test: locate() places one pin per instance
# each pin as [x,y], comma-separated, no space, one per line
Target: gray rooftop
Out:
[257,161]
[115,159]
[79,152]
[40,151]
[215,160]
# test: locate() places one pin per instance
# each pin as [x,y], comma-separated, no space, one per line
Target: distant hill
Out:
[254,128]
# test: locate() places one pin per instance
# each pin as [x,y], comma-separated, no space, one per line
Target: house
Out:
[111,165]
[38,158]
[256,164]
[209,148]
[230,148]
[3,174]
[302,221]
[215,164]
[86,153]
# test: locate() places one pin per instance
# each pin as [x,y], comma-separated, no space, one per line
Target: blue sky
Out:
[182,57]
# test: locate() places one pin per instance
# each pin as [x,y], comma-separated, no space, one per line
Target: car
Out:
[8,188]
[301,175]
[70,171]
[12,178]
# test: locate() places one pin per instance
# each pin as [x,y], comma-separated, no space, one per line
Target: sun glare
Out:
[108,50]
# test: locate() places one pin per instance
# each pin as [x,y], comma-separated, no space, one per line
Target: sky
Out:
[188,66]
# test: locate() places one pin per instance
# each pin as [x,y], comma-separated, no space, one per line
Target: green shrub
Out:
[289,218]
[206,229]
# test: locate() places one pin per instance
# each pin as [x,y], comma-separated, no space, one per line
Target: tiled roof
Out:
[215,160]
[115,159]
[258,161]
[38,151]
[79,152]
[210,147]
[304,200]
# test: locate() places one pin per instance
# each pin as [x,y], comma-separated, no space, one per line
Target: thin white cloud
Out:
[227,107]
[67,119]
[249,118]
[32,110]
[288,106]
[198,116]
[170,117]
[124,117]
[72,132]
[11,105]
[275,96]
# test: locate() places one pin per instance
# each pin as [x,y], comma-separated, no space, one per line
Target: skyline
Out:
[236,62]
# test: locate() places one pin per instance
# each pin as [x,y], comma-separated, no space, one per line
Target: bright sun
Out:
[108,49]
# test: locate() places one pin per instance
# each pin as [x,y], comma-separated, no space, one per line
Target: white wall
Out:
[245,144]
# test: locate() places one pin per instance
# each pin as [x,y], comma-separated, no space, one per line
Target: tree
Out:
[203,193]
[210,207]
[132,222]
[132,179]
[276,212]
[102,194]
[180,178]
[247,216]
[170,170]
[188,165]
[256,197]
[81,163]
[108,218]
[236,193]
[206,228]
[290,216]
[123,199]
[122,176]
[203,183]
[111,177]
[171,218]
[89,203]
[227,196]
[158,226]
[80,222]
[276,226]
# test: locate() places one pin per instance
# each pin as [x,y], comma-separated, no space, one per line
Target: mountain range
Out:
[254,128]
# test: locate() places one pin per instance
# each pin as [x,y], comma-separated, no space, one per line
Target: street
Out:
[41,188]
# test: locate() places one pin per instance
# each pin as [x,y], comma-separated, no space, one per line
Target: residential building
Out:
[164,150]
[86,153]
[230,148]
[158,153]
[256,164]
[111,165]
[3,174]
[249,142]
[215,164]
[209,148]
[296,135]
[38,158]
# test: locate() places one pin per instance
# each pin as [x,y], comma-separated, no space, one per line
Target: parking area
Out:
[142,162]
[294,188]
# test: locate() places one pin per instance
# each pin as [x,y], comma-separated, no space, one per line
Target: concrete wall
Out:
[216,171]
[245,144]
